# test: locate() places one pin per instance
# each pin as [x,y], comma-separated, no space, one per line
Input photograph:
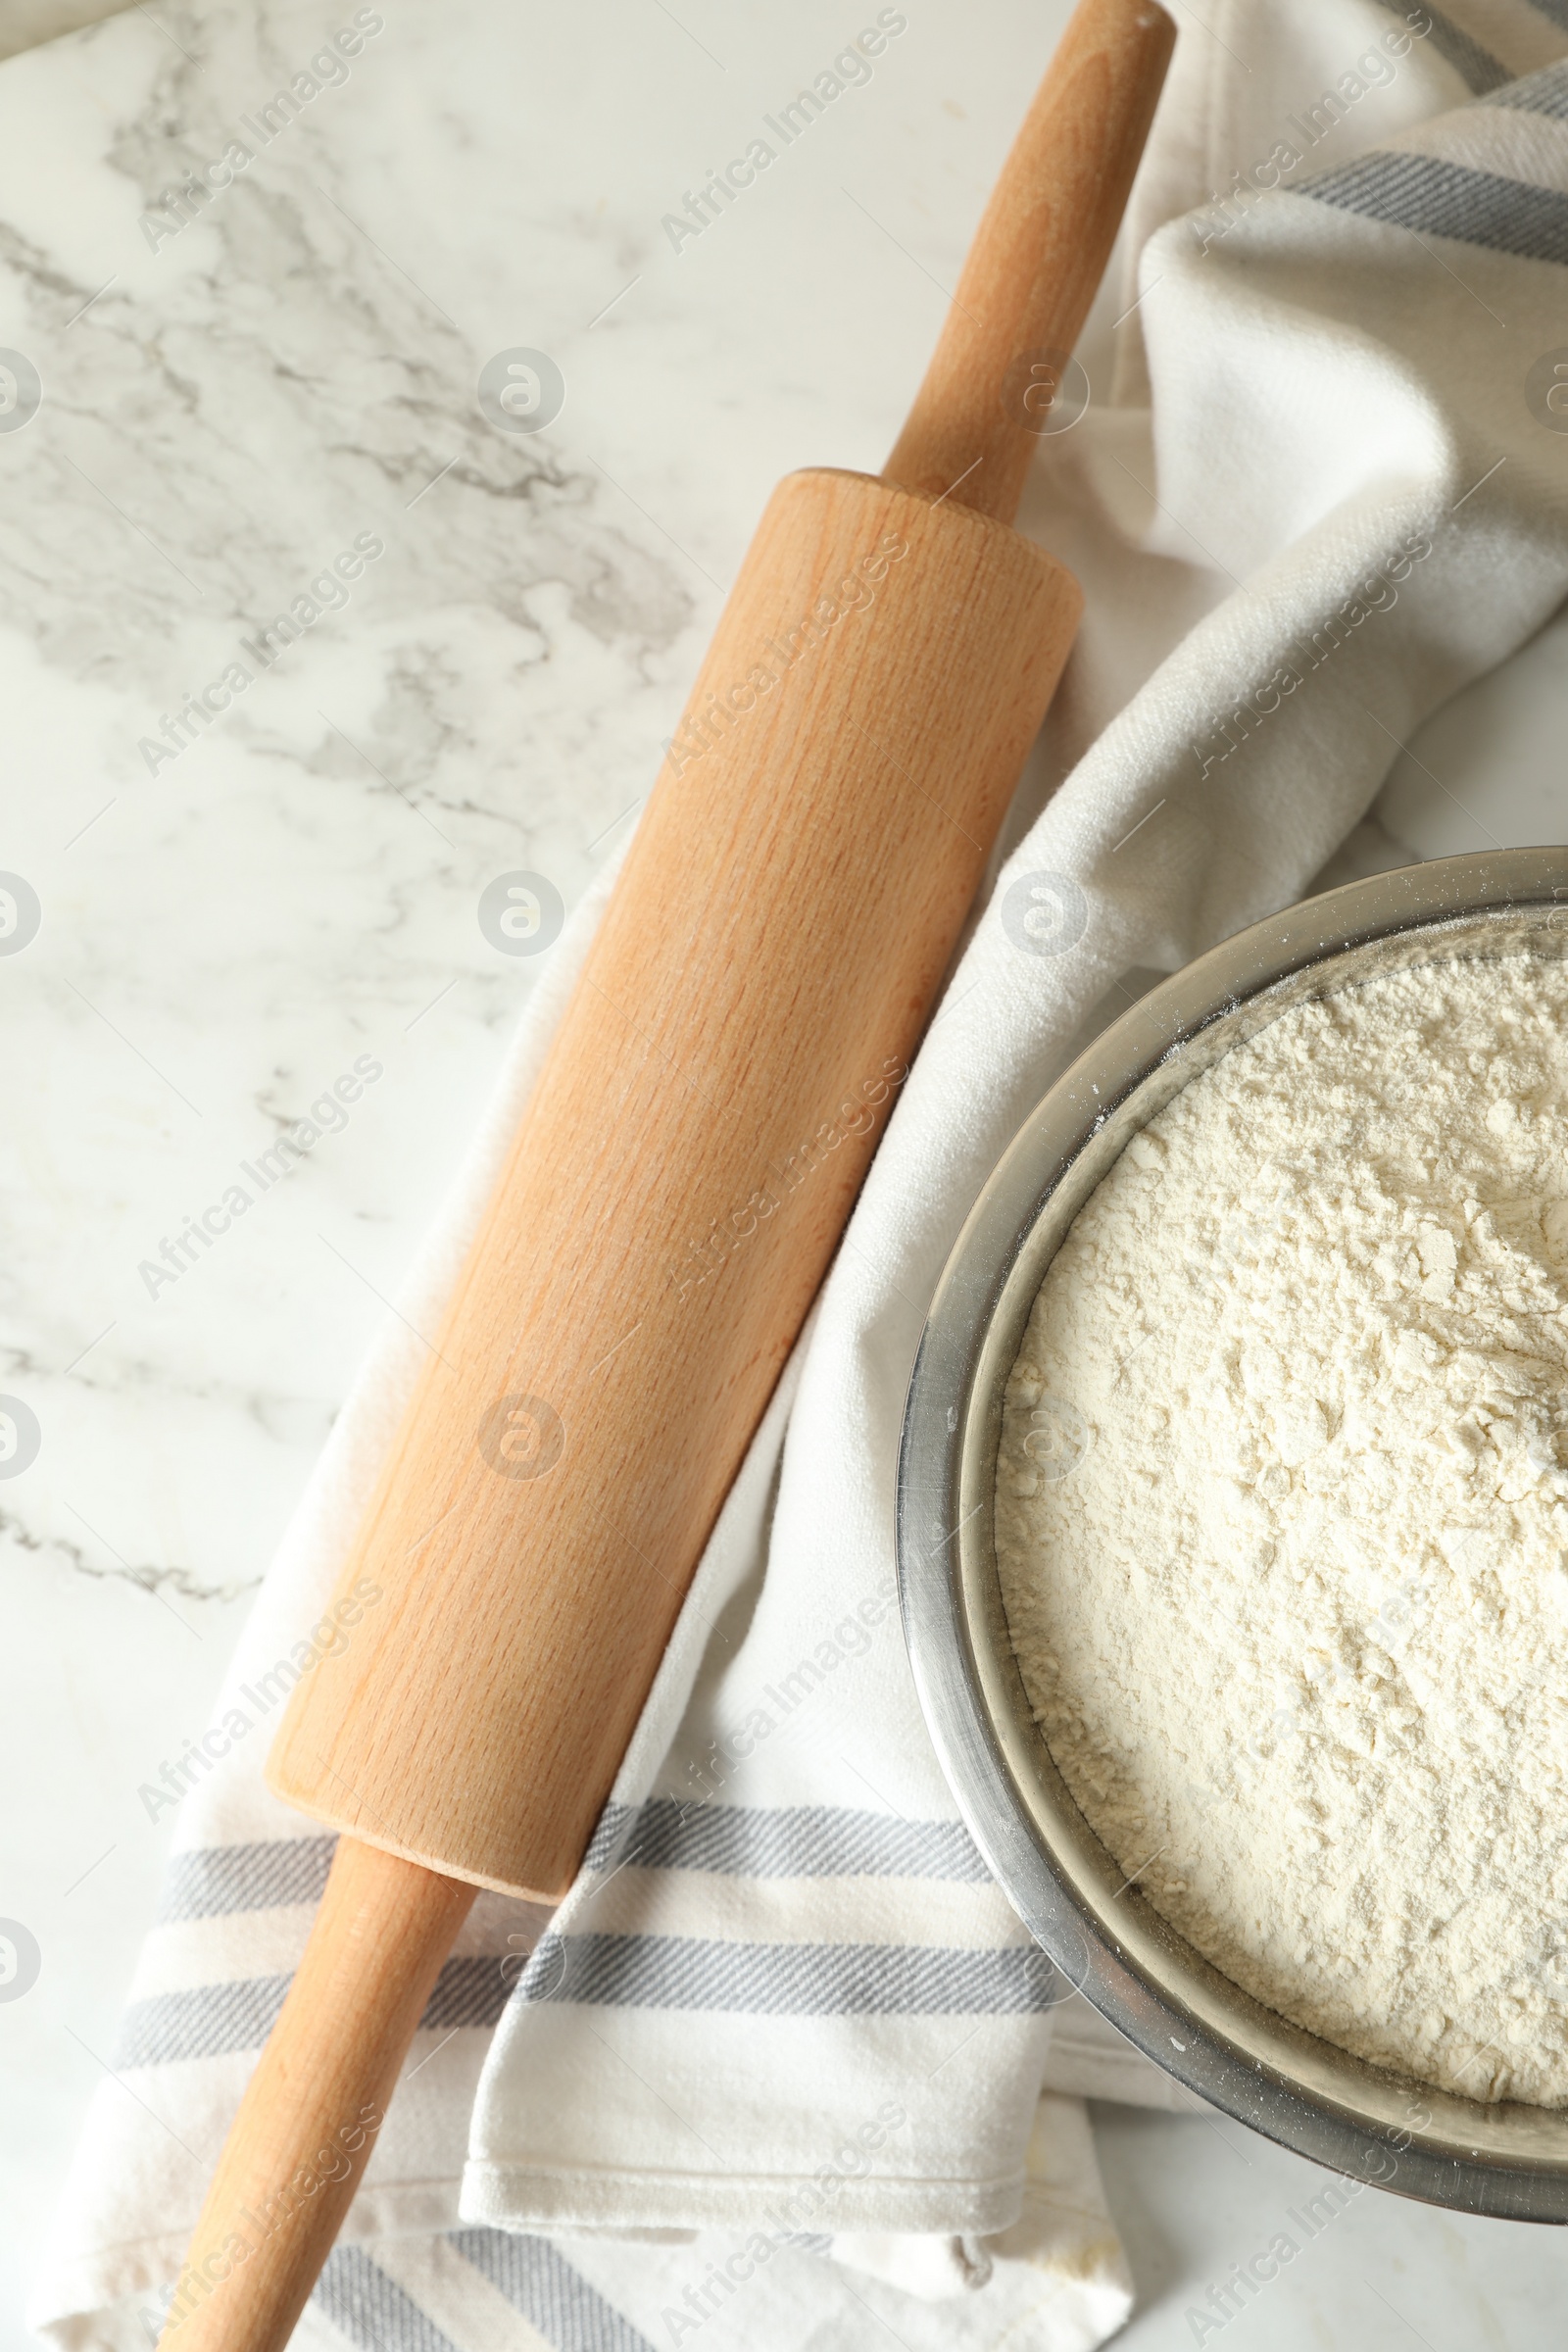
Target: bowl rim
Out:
[1506,2159]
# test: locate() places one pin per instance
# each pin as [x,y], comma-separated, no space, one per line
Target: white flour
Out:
[1283,1528]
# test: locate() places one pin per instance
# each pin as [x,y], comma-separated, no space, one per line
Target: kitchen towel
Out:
[782,2009]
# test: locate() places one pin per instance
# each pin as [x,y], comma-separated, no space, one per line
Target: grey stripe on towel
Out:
[792,1841]
[1542,93]
[790,1980]
[212,1879]
[210,2020]
[1476,67]
[806,1841]
[373,2310]
[469,1991]
[1449,200]
[202,2023]
[551,2295]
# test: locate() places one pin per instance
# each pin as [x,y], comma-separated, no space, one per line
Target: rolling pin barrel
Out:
[688,1159]
[730,1057]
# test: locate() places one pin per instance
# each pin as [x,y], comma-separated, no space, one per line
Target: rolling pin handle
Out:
[1036,262]
[310,2117]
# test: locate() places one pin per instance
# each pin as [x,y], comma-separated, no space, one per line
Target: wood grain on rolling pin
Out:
[799,882]
[1036,260]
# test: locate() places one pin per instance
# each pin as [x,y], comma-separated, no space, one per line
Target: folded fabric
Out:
[782,2012]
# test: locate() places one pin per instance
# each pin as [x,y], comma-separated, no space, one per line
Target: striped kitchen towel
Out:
[778,2058]
[887,1942]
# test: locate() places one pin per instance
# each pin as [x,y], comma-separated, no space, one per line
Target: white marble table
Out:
[228,410]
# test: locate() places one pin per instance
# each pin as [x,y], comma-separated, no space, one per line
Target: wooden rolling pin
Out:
[674,1192]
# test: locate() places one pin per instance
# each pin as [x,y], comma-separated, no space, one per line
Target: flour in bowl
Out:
[1282,1519]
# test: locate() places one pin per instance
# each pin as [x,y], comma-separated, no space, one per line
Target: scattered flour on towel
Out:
[1282,1517]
